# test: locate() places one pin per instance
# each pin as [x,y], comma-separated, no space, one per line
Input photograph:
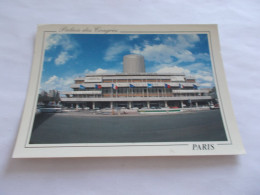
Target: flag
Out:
[82,87]
[181,86]
[167,86]
[131,86]
[98,86]
[114,86]
[195,86]
[149,85]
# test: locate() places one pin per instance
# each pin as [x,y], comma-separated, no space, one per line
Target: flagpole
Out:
[112,90]
[112,94]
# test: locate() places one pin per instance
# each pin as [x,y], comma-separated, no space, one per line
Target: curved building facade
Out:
[133,63]
[135,88]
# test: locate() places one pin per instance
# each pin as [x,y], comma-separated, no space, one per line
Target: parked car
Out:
[174,107]
[156,107]
[214,107]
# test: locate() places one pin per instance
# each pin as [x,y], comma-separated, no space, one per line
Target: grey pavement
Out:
[77,128]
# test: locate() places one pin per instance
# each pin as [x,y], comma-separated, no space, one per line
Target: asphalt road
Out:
[61,128]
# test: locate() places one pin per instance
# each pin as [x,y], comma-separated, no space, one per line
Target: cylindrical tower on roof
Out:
[134,63]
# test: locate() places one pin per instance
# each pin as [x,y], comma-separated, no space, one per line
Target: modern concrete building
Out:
[135,88]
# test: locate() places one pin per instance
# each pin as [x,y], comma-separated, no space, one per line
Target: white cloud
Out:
[51,79]
[203,56]
[172,69]
[164,54]
[204,78]
[157,39]
[114,50]
[52,41]
[171,50]
[156,53]
[60,84]
[100,71]
[64,83]
[186,40]
[185,56]
[191,37]
[196,66]
[132,37]
[68,48]
[63,58]
[62,40]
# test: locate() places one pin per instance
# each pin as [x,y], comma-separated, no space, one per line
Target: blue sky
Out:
[72,55]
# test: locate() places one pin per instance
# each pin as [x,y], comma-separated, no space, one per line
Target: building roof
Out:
[138,74]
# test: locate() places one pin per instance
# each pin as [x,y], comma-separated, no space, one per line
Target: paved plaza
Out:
[79,128]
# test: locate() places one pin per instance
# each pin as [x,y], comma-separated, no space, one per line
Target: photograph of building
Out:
[127,88]
[134,88]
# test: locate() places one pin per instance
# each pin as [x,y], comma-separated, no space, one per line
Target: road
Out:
[62,128]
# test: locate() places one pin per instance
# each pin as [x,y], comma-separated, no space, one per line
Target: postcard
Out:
[127,90]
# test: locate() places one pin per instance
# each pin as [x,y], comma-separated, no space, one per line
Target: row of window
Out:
[137,90]
[137,95]
[108,89]
[128,80]
[136,80]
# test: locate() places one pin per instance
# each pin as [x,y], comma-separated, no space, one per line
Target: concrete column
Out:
[93,105]
[148,104]
[129,105]
[181,104]
[77,106]
[166,104]
[196,104]
[111,105]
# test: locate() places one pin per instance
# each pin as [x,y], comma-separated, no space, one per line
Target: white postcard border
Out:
[25,150]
